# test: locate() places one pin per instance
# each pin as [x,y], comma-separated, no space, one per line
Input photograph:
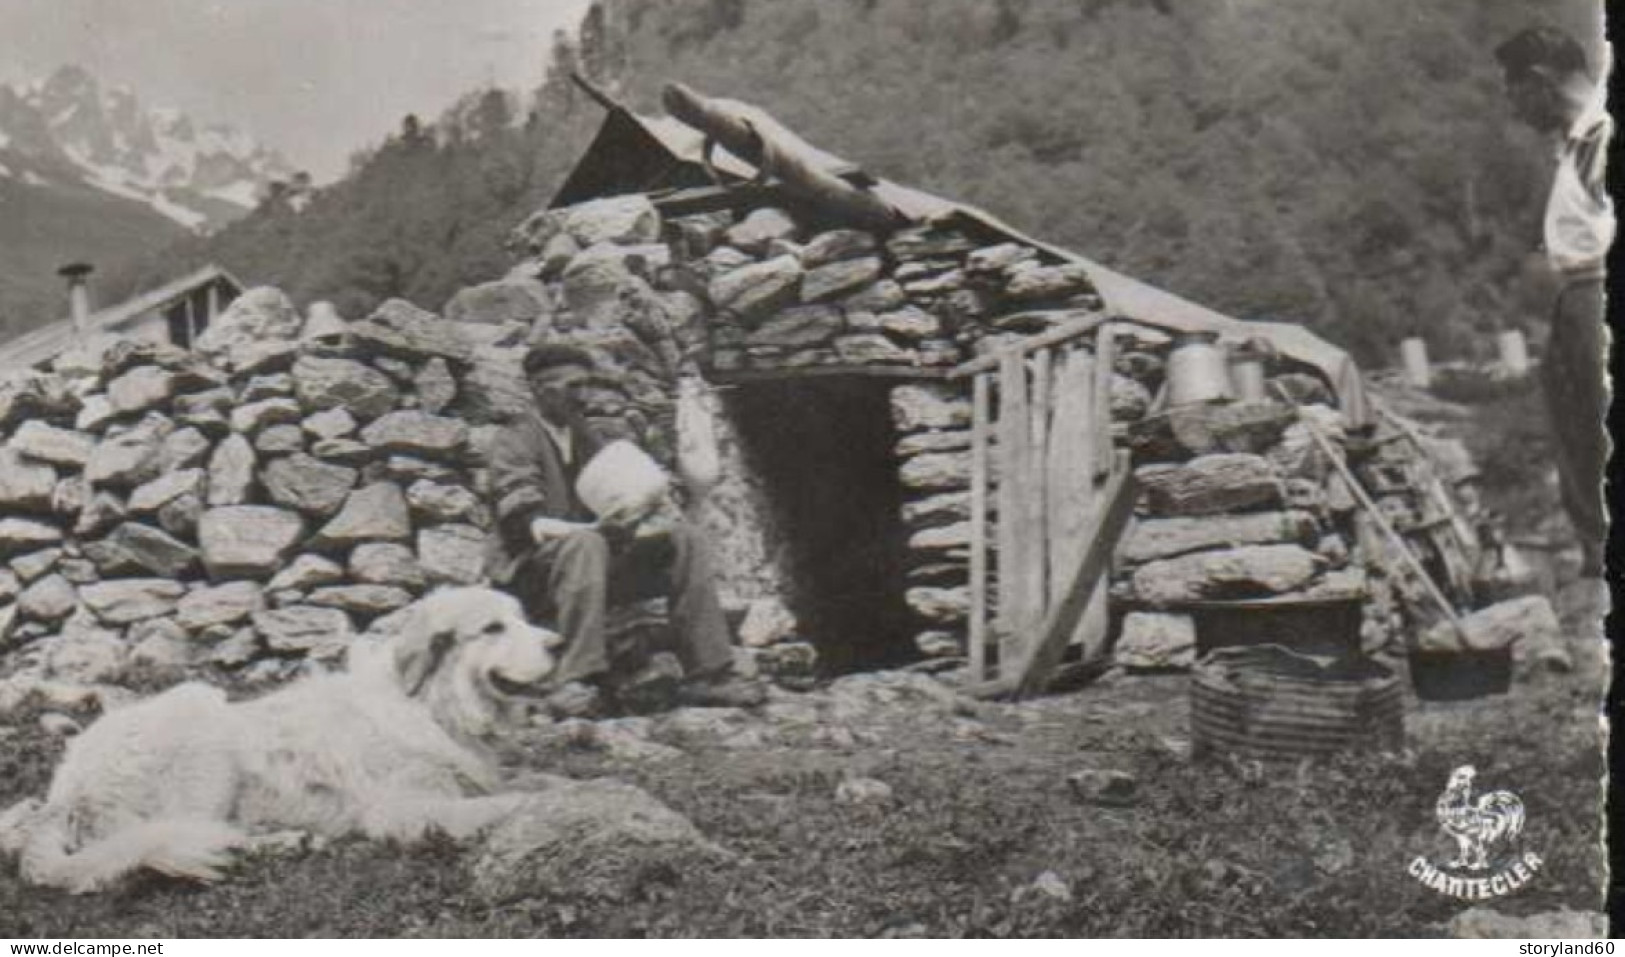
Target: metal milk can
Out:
[1198,369]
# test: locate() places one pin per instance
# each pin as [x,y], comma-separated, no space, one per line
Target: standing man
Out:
[1554,91]
[566,565]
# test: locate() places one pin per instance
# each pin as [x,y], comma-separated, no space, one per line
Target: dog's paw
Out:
[283,843]
[14,825]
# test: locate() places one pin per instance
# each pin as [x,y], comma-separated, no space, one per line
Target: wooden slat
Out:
[1069,469]
[980,425]
[1117,505]
[1105,358]
[1072,495]
[723,377]
[1053,337]
[1038,514]
[1014,439]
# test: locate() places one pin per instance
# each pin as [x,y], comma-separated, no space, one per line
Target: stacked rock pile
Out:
[246,504]
[1240,504]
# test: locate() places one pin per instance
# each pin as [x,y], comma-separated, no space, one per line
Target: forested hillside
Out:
[1349,164]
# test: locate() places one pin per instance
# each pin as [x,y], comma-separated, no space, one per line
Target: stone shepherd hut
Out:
[937,437]
[925,416]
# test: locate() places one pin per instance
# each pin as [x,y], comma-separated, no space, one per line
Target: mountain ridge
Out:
[91,173]
[67,128]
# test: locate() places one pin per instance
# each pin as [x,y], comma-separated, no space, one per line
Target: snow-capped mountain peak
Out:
[68,129]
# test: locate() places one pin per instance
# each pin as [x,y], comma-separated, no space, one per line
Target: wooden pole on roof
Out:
[723,122]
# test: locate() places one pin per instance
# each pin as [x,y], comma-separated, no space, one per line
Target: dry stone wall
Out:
[245,505]
[296,479]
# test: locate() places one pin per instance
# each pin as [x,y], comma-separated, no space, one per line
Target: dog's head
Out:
[470,655]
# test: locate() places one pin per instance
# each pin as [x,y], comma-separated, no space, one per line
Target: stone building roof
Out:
[661,155]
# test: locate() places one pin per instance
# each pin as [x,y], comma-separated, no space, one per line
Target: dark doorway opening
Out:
[825,451]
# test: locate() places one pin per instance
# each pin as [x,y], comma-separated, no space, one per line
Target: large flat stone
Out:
[453,554]
[307,484]
[247,541]
[436,387]
[100,513]
[124,460]
[299,628]
[627,220]
[798,327]
[223,604]
[929,406]
[50,599]
[25,486]
[329,424]
[386,563]
[155,551]
[46,443]
[836,279]
[376,513]
[1529,620]
[22,535]
[256,316]
[1048,283]
[1248,572]
[401,330]
[758,289]
[365,600]
[307,571]
[129,600]
[183,449]
[417,433]
[500,302]
[164,489]
[1156,641]
[1154,538]
[836,245]
[872,349]
[140,389]
[1211,484]
[231,471]
[943,606]
[323,383]
[434,502]
[936,471]
[934,509]
[251,417]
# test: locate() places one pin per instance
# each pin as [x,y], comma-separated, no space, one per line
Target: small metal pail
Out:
[1198,369]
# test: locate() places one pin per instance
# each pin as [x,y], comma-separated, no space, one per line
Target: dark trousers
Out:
[569,581]
[1574,375]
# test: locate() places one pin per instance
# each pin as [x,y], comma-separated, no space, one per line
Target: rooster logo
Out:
[1477,825]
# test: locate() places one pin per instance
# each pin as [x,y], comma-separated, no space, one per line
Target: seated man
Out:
[566,565]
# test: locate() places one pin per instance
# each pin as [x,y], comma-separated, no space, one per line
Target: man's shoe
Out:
[576,699]
[722,691]
[652,687]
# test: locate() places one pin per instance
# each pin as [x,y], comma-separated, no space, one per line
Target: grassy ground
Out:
[980,809]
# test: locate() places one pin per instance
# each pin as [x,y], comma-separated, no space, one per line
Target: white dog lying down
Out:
[386,749]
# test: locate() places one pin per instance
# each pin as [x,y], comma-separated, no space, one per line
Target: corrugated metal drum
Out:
[1273,704]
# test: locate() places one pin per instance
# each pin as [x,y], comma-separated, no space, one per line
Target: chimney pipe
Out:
[78,295]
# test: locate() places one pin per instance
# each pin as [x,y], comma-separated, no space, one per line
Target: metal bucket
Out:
[1311,626]
[1267,703]
[1247,377]
[1198,369]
